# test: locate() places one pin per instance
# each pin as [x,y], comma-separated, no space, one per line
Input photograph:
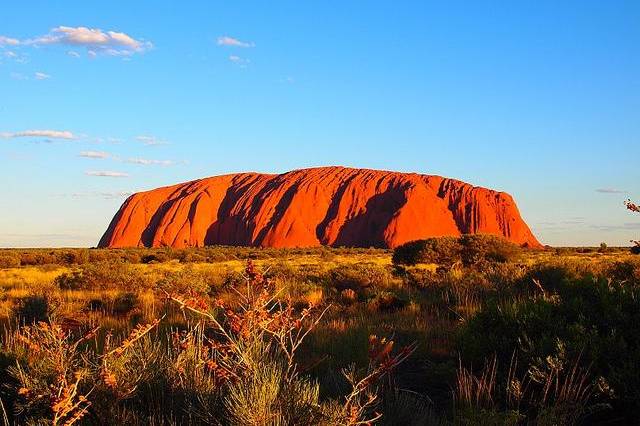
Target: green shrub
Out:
[447,251]
[186,280]
[359,277]
[73,257]
[32,309]
[626,271]
[103,276]
[266,394]
[478,248]
[594,322]
[37,258]
[125,303]
[9,261]
[386,301]
[441,251]
[154,258]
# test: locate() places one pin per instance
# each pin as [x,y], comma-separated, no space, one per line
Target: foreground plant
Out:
[634,208]
[253,352]
[50,381]
[552,391]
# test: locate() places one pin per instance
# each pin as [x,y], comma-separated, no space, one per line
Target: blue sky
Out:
[537,98]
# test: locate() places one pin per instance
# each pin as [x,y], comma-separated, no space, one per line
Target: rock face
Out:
[333,206]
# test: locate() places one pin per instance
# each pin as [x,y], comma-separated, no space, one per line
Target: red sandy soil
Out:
[333,206]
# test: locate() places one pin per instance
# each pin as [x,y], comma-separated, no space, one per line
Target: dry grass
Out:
[172,371]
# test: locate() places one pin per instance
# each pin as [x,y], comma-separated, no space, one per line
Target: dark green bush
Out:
[32,309]
[103,276]
[359,277]
[154,258]
[478,248]
[73,257]
[627,271]
[186,280]
[386,301]
[9,261]
[595,322]
[442,251]
[37,258]
[447,251]
[125,303]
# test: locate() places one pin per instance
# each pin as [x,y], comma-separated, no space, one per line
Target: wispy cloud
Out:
[611,191]
[629,226]
[242,62]
[7,41]
[233,42]
[95,154]
[147,162]
[106,173]
[151,140]
[51,134]
[73,54]
[107,195]
[96,41]
[41,76]
[16,56]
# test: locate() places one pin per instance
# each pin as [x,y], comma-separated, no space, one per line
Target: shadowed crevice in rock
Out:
[332,212]
[367,228]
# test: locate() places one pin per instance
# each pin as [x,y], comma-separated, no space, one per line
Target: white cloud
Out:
[9,41]
[242,62]
[10,54]
[52,134]
[94,39]
[147,162]
[73,54]
[610,191]
[123,39]
[106,174]
[106,195]
[41,76]
[233,42]
[150,140]
[95,154]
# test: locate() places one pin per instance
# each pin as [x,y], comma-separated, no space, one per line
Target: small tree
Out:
[634,208]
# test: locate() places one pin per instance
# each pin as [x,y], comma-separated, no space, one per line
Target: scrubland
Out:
[449,331]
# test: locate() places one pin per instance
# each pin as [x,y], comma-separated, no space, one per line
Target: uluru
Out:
[334,206]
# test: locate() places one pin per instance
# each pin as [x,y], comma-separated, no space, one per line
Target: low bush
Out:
[186,280]
[586,320]
[359,277]
[125,303]
[441,251]
[487,248]
[103,276]
[448,251]
[154,258]
[32,309]
[9,261]
[386,301]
